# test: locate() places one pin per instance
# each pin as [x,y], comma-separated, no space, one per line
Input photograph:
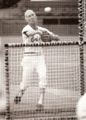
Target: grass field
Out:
[63,74]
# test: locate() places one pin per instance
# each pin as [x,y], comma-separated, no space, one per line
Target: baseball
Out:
[47,9]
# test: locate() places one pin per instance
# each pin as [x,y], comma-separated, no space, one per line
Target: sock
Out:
[21,92]
[42,93]
[40,99]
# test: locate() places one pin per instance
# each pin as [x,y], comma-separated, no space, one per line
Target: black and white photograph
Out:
[42,60]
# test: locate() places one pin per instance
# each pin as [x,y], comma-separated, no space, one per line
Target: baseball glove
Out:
[46,37]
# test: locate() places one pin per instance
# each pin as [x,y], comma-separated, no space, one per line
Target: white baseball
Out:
[48,9]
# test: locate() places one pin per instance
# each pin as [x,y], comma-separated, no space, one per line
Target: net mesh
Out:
[63,87]
[63,65]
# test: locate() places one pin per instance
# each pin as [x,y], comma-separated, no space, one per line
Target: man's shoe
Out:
[40,107]
[17,99]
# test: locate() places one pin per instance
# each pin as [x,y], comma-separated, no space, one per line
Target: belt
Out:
[30,53]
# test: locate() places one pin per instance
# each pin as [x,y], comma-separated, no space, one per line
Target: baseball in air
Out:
[48,9]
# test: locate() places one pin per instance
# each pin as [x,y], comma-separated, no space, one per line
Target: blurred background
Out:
[62,20]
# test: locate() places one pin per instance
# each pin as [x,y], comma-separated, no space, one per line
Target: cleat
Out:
[17,99]
[40,107]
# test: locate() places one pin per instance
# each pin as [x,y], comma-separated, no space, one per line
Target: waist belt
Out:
[30,53]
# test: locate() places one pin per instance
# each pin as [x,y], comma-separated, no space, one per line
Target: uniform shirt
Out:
[33,39]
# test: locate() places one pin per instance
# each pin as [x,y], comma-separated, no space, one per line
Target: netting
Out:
[63,81]
[65,63]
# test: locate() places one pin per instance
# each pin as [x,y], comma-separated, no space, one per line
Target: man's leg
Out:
[41,99]
[19,95]
[42,94]
[24,84]
[41,69]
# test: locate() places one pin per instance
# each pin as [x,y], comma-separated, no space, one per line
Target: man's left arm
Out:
[49,37]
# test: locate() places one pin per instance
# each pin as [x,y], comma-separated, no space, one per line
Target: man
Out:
[33,56]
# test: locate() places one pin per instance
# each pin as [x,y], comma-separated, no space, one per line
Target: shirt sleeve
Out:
[24,36]
[25,29]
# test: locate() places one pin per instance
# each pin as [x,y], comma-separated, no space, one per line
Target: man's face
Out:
[30,17]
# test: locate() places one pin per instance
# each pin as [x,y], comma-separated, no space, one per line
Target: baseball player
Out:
[33,56]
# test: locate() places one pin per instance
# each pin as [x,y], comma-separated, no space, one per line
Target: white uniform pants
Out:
[29,63]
